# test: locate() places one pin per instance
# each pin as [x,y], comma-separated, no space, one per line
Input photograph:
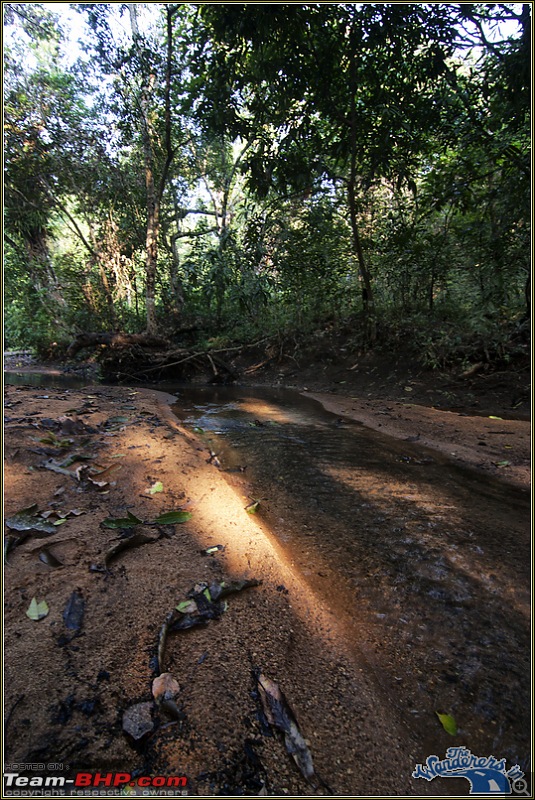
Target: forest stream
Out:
[417,555]
[395,587]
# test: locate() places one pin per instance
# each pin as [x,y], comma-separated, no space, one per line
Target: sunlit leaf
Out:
[156,487]
[173,517]
[252,508]
[210,551]
[448,723]
[493,417]
[37,611]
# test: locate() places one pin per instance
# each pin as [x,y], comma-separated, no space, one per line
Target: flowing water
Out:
[421,555]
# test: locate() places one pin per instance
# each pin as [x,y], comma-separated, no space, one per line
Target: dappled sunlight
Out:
[372,486]
[267,412]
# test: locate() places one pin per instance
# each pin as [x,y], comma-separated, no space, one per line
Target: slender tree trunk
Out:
[151,246]
[108,295]
[176,283]
[367,291]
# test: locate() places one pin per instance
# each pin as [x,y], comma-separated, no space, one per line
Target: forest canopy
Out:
[253,169]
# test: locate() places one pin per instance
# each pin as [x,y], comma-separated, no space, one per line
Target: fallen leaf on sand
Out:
[37,611]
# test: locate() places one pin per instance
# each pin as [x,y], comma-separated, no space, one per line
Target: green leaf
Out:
[210,551]
[37,611]
[492,417]
[448,723]
[122,522]
[503,463]
[156,487]
[173,517]
[187,607]
[60,521]
[252,508]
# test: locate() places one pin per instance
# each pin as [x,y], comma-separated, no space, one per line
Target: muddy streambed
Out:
[395,585]
[422,560]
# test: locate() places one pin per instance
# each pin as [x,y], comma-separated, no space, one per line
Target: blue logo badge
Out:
[487,775]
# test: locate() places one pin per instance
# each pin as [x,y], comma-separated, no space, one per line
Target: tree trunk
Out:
[153,219]
[154,193]
[367,291]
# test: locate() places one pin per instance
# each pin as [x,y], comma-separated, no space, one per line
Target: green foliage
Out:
[302,158]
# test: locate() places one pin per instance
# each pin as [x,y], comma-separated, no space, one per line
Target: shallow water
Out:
[422,554]
[43,379]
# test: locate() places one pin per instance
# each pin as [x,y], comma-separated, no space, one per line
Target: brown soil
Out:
[67,689]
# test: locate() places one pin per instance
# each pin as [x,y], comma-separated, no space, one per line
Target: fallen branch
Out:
[116,340]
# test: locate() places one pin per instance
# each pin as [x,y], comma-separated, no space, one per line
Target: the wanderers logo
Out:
[487,775]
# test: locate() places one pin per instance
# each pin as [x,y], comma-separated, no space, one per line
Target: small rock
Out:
[137,720]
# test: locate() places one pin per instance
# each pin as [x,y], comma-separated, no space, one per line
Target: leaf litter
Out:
[73,614]
[280,716]
[205,602]
[30,519]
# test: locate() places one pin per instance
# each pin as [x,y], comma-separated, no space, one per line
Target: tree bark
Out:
[154,193]
[367,292]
